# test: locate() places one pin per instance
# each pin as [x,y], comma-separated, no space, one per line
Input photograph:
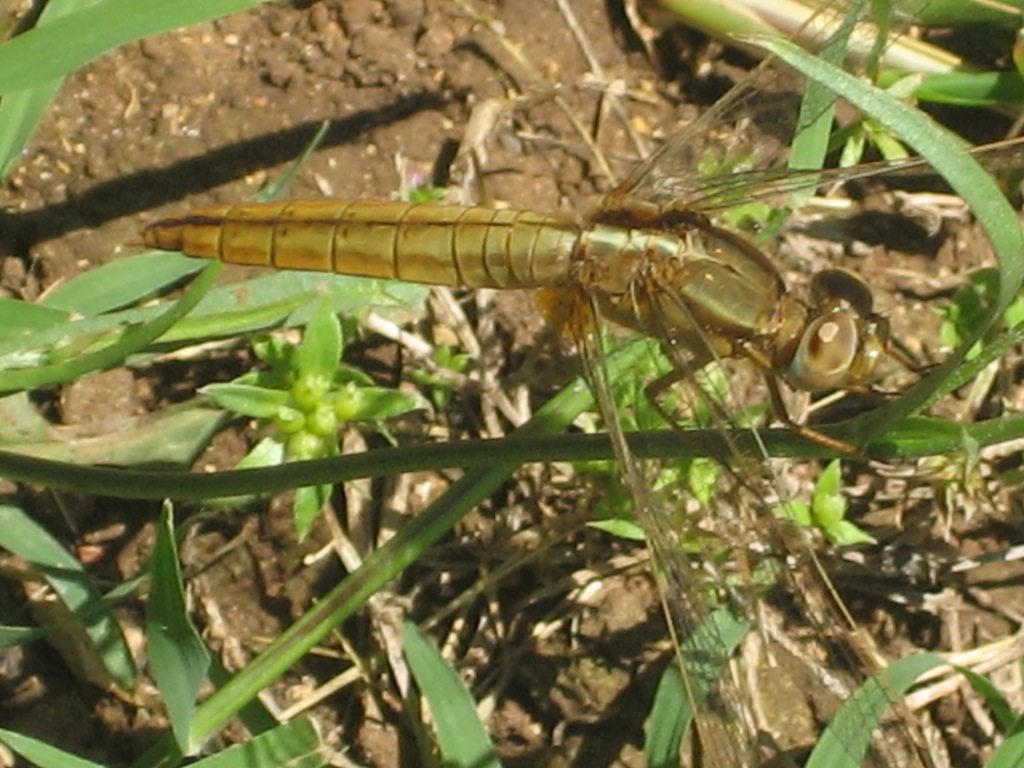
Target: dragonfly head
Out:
[843,340]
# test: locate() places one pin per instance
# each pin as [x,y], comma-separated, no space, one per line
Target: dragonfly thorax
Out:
[690,285]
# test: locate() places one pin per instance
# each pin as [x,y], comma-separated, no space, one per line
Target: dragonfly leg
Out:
[809,433]
[781,412]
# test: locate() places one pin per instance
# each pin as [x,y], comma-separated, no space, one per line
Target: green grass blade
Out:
[997,703]
[277,188]
[71,33]
[177,655]
[293,745]
[972,89]
[913,437]
[12,635]
[19,318]
[677,697]
[845,742]
[950,13]
[810,145]
[42,754]
[461,737]
[1010,753]
[55,50]
[131,340]
[281,298]
[668,721]
[120,283]
[171,439]
[21,111]
[474,454]
[24,537]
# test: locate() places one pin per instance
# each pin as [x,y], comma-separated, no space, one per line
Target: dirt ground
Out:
[211,114]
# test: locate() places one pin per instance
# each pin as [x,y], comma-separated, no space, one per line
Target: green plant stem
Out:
[908,439]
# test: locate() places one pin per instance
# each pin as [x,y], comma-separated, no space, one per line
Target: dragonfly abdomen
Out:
[418,242]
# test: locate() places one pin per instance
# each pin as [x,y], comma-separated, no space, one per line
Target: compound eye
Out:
[828,350]
[840,285]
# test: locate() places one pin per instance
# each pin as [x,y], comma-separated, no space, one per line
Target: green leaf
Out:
[847,534]
[292,745]
[60,47]
[24,537]
[127,341]
[702,479]
[997,703]
[177,655]
[705,654]
[18,318]
[309,500]
[810,144]
[845,742]
[20,112]
[320,351]
[665,728]
[1010,753]
[460,734]
[119,283]
[971,89]
[268,452]
[374,403]
[828,505]
[797,511]
[620,527]
[41,754]
[246,399]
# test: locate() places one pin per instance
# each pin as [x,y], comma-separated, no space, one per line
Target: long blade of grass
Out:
[810,145]
[71,33]
[909,438]
[673,712]
[41,754]
[281,298]
[177,654]
[119,283]
[24,537]
[1010,753]
[131,340]
[292,745]
[460,735]
[55,50]
[845,742]
[171,438]
[21,111]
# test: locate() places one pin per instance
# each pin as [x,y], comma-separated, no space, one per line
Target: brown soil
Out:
[211,114]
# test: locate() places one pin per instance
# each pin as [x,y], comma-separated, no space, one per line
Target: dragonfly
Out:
[651,259]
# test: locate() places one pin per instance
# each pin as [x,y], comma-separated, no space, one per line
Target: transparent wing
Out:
[723,730]
[719,143]
[724,554]
[777,185]
[737,150]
